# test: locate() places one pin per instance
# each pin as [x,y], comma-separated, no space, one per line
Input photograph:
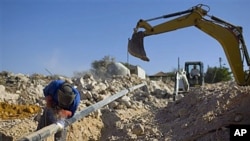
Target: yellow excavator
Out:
[228,35]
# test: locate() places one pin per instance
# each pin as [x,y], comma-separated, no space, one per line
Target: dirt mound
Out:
[205,114]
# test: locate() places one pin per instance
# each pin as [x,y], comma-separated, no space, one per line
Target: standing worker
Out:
[195,74]
[62,101]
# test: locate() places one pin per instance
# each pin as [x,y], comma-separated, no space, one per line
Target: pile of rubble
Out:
[144,114]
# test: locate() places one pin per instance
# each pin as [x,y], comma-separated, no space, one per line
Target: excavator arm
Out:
[229,36]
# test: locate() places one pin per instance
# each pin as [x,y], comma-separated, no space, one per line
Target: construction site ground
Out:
[203,114]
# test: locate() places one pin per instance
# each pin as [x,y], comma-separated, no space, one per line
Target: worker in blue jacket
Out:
[62,101]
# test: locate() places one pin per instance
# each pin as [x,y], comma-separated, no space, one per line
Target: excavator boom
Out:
[229,36]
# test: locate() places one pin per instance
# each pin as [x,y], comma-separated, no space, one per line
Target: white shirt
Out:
[195,72]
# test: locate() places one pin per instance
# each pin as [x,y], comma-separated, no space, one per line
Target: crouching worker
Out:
[62,100]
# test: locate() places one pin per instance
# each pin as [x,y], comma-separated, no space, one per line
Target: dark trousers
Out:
[49,117]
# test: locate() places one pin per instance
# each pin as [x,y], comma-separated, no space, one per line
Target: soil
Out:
[203,114]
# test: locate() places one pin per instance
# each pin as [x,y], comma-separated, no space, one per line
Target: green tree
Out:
[215,74]
[99,67]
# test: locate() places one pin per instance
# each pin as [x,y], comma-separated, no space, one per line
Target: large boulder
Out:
[138,71]
[117,68]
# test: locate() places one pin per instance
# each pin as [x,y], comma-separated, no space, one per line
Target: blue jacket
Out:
[51,89]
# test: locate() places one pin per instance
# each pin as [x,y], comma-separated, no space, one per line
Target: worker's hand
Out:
[49,101]
[64,113]
[61,123]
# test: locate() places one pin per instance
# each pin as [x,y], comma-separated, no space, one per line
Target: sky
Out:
[66,36]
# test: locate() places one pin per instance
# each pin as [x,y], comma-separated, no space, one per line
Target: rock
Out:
[116,68]
[137,129]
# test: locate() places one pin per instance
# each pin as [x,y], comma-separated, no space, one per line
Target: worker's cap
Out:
[65,95]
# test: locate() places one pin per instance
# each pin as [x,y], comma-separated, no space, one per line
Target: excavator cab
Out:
[194,72]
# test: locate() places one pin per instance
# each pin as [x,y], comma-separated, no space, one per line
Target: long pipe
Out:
[53,128]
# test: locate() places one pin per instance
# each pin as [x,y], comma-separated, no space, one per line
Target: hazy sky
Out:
[65,36]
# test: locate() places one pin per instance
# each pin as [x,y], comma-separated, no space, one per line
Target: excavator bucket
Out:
[136,46]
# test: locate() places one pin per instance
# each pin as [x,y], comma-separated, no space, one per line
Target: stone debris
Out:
[148,113]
